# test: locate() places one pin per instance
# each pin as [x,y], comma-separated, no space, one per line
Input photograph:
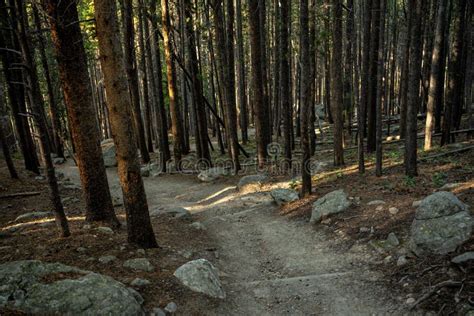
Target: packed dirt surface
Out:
[269,265]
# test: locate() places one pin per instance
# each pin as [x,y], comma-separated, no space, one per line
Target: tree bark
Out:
[132,76]
[436,73]
[380,90]
[285,90]
[241,80]
[139,227]
[72,63]
[411,147]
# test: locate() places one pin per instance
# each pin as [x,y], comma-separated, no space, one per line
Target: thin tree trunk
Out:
[132,76]
[380,89]
[241,82]
[413,89]
[337,83]
[175,110]
[436,73]
[285,89]
[3,141]
[37,107]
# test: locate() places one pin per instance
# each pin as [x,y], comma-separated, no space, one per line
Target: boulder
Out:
[283,196]
[332,203]
[139,264]
[201,276]
[251,183]
[108,152]
[442,223]
[212,174]
[35,287]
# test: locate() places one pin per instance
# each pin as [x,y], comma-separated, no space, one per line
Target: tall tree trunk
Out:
[372,93]
[139,227]
[305,80]
[337,100]
[200,108]
[364,83]
[144,70]
[16,92]
[413,89]
[380,89]
[285,90]
[53,107]
[132,76]
[241,81]
[436,73]
[37,106]
[258,100]
[72,62]
[404,86]
[175,110]
[161,116]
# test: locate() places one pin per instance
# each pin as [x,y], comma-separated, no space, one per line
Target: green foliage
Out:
[410,181]
[439,179]
[294,184]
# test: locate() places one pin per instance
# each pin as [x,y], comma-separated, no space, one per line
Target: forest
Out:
[236,157]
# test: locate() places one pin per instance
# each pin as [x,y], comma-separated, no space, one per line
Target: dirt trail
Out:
[271,265]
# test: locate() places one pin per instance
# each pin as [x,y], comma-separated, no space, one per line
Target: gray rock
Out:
[376,202]
[89,293]
[81,249]
[32,216]
[157,312]
[141,252]
[393,210]
[252,183]
[105,230]
[171,307]
[108,152]
[201,276]
[283,196]
[40,178]
[139,264]
[59,161]
[175,212]
[138,282]
[467,256]
[450,186]
[401,261]
[416,203]
[198,226]
[107,259]
[392,240]
[442,223]
[212,174]
[331,203]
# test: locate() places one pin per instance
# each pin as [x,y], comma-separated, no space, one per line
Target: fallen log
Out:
[21,194]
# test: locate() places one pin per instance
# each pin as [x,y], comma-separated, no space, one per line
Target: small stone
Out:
[283,196]
[171,308]
[379,208]
[468,256]
[138,282]
[40,178]
[81,249]
[364,230]
[392,240]
[59,161]
[326,221]
[401,261]
[157,312]
[198,226]
[141,252]
[376,202]
[388,259]
[105,230]
[139,264]
[410,301]
[87,226]
[393,210]
[107,259]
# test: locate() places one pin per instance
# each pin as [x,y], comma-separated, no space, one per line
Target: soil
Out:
[271,260]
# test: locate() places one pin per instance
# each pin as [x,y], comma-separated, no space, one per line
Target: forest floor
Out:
[271,260]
